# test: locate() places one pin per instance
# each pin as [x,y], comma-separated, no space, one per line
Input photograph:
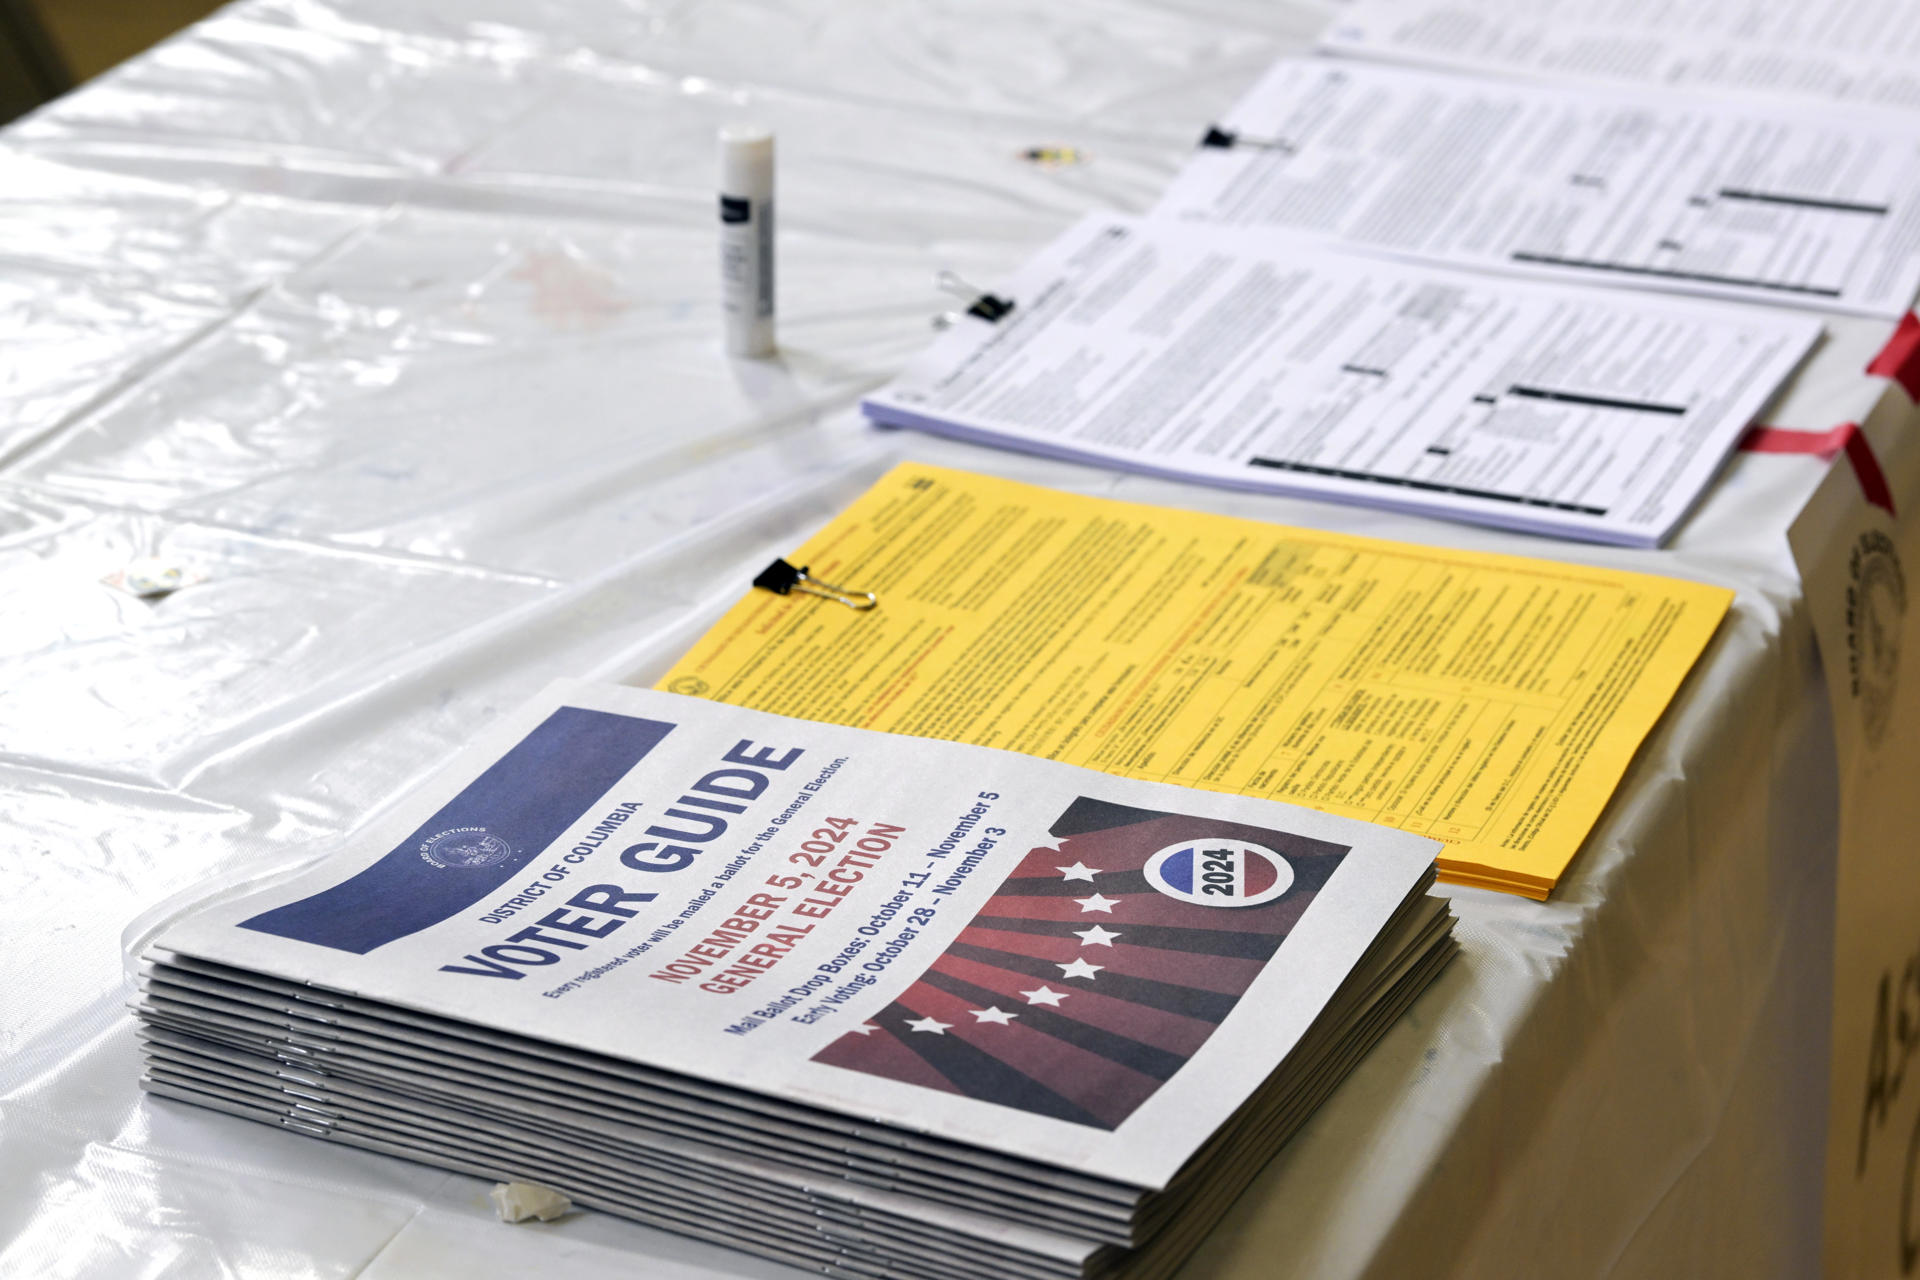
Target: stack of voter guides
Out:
[867,1004]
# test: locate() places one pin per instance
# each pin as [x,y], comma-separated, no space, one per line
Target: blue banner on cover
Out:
[480,839]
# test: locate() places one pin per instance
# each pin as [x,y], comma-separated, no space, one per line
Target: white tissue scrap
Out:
[518,1201]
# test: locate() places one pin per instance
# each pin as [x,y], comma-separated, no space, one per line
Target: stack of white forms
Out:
[1258,359]
[863,1003]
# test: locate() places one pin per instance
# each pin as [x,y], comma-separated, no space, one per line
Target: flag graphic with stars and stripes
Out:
[1079,989]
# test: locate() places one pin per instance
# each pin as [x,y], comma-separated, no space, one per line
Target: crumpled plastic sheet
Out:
[394,321]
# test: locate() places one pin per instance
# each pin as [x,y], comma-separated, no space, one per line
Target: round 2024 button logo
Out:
[465,848]
[1220,873]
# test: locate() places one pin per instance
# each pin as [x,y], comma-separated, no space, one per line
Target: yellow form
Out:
[1489,701]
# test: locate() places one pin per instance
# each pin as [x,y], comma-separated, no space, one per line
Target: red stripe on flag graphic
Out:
[1226,974]
[1083,1002]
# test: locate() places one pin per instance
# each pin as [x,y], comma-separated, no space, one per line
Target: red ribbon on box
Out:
[1847,438]
[1824,444]
[1900,358]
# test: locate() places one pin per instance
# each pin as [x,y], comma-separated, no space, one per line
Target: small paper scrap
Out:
[1055,157]
[518,1201]
[151,578]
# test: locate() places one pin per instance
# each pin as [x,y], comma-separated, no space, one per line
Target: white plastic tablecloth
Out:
[396,322]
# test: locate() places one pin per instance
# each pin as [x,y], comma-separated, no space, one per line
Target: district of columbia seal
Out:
[464,848]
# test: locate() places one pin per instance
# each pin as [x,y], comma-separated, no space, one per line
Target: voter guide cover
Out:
[989,947]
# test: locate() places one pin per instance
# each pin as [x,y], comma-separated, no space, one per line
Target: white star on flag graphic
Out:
[1046,997]
[993,1013]
[865,1028]
[1079,969]
[1095,936]
[929,1024]
[1078,871]
[1097,903]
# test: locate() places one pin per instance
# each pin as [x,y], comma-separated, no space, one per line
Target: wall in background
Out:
[46,46]
[93,35]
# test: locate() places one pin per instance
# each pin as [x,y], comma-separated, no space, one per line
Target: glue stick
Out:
[746,238]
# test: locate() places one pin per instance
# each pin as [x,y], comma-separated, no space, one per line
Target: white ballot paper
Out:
[882,1004]
[1856,51]
[1661,191]
[1263,360]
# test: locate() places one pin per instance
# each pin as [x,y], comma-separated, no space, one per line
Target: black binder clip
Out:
[782,579]
[981,304]
[1227,140]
